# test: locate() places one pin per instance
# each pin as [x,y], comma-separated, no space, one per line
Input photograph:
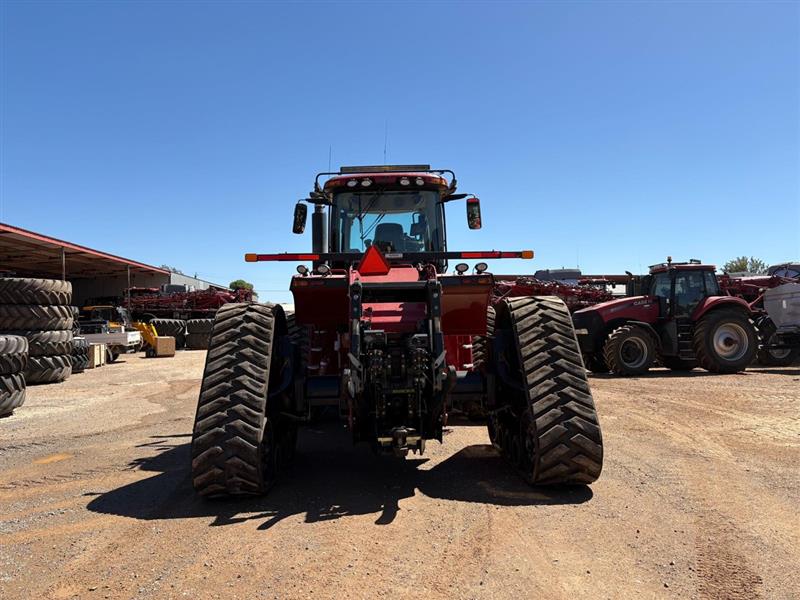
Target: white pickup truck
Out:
[122,342]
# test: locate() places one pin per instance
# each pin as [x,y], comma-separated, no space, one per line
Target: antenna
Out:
[385,139]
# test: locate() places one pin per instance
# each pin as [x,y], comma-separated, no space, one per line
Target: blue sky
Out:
[604,134]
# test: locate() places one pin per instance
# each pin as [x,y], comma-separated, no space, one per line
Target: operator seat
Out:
[390,234]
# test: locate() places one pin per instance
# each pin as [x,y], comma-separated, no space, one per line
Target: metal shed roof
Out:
[27,253]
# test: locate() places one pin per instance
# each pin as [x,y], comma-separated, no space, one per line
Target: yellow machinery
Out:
[149,336]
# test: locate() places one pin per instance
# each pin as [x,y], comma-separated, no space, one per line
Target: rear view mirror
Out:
[474,213]
[300,215]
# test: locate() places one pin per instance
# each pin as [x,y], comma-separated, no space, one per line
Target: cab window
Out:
[660,285]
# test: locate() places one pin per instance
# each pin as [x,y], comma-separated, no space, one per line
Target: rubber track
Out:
[48,369]
[47,343]
[479,341]
[35,316]
[298,334]
[227,453]
[171,327]
[12,393]
[16,290]
[13,354]
[199,326]
[563,424]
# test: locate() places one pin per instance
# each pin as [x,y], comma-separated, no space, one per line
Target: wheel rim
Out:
[777,354]
[730,341]
[633,352]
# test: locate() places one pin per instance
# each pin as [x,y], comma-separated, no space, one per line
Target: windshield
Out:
[395,221]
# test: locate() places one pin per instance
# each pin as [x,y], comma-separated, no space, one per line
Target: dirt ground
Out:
[698,499]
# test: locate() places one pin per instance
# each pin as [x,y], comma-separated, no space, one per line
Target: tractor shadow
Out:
[330,479]
[656,373]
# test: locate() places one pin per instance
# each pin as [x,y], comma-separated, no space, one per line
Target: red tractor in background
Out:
[376,329]
[678,316]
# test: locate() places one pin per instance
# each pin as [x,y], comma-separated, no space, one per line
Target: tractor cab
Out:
[681,287]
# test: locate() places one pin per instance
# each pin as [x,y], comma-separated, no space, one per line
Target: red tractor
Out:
[377,330]
[677,316]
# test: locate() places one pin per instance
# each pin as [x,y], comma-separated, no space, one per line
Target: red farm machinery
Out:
[379,330]
[677,315]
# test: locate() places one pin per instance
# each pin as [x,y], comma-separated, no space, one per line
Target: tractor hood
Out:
[642,308]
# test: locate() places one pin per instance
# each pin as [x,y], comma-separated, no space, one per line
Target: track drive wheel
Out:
[240,443]
[629,350]
[725,341]
[547,426]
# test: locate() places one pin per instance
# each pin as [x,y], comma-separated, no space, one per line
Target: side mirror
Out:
[474,213]
[300,215]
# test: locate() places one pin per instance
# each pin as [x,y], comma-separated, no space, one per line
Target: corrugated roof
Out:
[27,253]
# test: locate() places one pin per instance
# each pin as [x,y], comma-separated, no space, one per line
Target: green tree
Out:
[745,264]
[237,284]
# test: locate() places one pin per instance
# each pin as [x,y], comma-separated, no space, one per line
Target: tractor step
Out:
[685,330]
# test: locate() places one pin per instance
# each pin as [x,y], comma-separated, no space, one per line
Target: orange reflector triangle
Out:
[373,263]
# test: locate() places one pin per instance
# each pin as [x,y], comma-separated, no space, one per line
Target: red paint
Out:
[717,301]
[636,308]
[373,263]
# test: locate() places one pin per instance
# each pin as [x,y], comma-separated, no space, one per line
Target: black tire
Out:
[12,393]
[596,364]
[80,362]
[47,343]
[301,339]
[629,350]
[172,327]
[774,358]
[34,316]
[547,426]
[480,349]
[675,363]
[725,341]
[17,290]
[199,326]
[238,440]
[197,341]
[13,354]
[48,369]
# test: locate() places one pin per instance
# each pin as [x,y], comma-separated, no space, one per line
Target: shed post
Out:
[128,289]
[63,264]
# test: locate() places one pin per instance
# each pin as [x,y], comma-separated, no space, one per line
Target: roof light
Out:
[323,269]
[405,181]
[249,257]
[302,269]
[352,183]
[419,181]
[481,267]
[366,182]
[462,268]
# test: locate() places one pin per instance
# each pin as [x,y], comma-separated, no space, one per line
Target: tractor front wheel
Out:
[629,350]
[725,341]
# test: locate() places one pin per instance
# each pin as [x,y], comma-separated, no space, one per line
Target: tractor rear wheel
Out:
[239,442]
[629,350]
[547,426]
[725,341]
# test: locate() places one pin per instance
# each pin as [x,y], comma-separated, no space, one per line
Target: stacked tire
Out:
[80,355]
[39,310]
[198,333]
[172,327]
[13,361]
